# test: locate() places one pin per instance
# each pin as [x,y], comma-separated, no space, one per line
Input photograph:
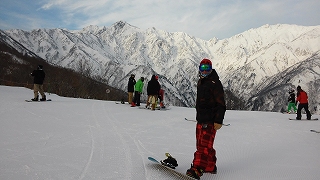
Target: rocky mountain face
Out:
[258,66]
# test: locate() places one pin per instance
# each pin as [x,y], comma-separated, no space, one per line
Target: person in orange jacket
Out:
[302,98]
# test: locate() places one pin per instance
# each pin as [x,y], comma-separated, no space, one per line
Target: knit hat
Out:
[298,88]
[205,61]
[205,65]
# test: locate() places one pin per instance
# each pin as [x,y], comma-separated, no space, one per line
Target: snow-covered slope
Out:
[71,138]
[113,53]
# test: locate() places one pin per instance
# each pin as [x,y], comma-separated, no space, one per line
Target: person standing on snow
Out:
[210,109]
[292,102]
[38,78]
[161,97]
[302,98]
[138,87]
[153,91]
[131,84]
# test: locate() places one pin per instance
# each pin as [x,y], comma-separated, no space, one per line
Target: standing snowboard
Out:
[169,165]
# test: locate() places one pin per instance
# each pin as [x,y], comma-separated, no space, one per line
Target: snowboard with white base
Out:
[166,107]
[37,101]
[168,169]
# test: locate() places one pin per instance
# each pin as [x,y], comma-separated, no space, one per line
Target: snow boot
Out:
[170,162]
[133,104]
[214,170]
[35,99]
[194,172]
[43,98]
[161,105]
[153,107]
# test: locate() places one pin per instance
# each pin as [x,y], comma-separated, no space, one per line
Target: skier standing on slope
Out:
[153,91]
[161,97]
[38,78]
[138,87]
[131,84]
[302,98]
[210,107]
[292,102]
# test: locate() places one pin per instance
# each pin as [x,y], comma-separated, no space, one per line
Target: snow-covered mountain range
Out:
[259,65]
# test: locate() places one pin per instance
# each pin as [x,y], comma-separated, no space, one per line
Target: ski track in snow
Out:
[84,171]
[117,131]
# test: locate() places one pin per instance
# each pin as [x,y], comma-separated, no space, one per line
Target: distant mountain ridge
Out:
[250,64]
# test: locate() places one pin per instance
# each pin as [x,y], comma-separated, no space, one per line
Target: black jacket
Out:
[153,87]
[38,76]
[292,98]
[131,84]
[210,103]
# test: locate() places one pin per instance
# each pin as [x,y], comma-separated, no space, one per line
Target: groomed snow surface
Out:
[70,138]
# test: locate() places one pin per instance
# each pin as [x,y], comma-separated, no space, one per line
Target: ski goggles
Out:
[205,67]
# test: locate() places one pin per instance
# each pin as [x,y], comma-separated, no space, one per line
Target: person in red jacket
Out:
[302,98]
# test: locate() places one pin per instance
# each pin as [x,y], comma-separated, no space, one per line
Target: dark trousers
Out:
[305,107]
[136,98]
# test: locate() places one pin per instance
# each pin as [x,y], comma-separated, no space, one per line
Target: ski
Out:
[196,121]
[37,101]
[315,131]
[313,119]
[162,166]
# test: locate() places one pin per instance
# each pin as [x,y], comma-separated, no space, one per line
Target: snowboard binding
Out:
[169,162]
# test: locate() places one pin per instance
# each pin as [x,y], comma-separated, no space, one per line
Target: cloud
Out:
[200,18]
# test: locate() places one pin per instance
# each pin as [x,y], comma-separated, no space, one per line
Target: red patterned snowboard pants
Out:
[205,156]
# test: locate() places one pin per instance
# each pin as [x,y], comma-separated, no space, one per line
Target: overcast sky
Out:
[200,18]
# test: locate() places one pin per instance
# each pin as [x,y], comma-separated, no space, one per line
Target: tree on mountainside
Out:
[16,68]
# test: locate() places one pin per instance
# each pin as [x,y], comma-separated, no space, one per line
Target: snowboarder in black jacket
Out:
[38,78]
[131,84]
[210,108]
[292,102]
[153,89]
